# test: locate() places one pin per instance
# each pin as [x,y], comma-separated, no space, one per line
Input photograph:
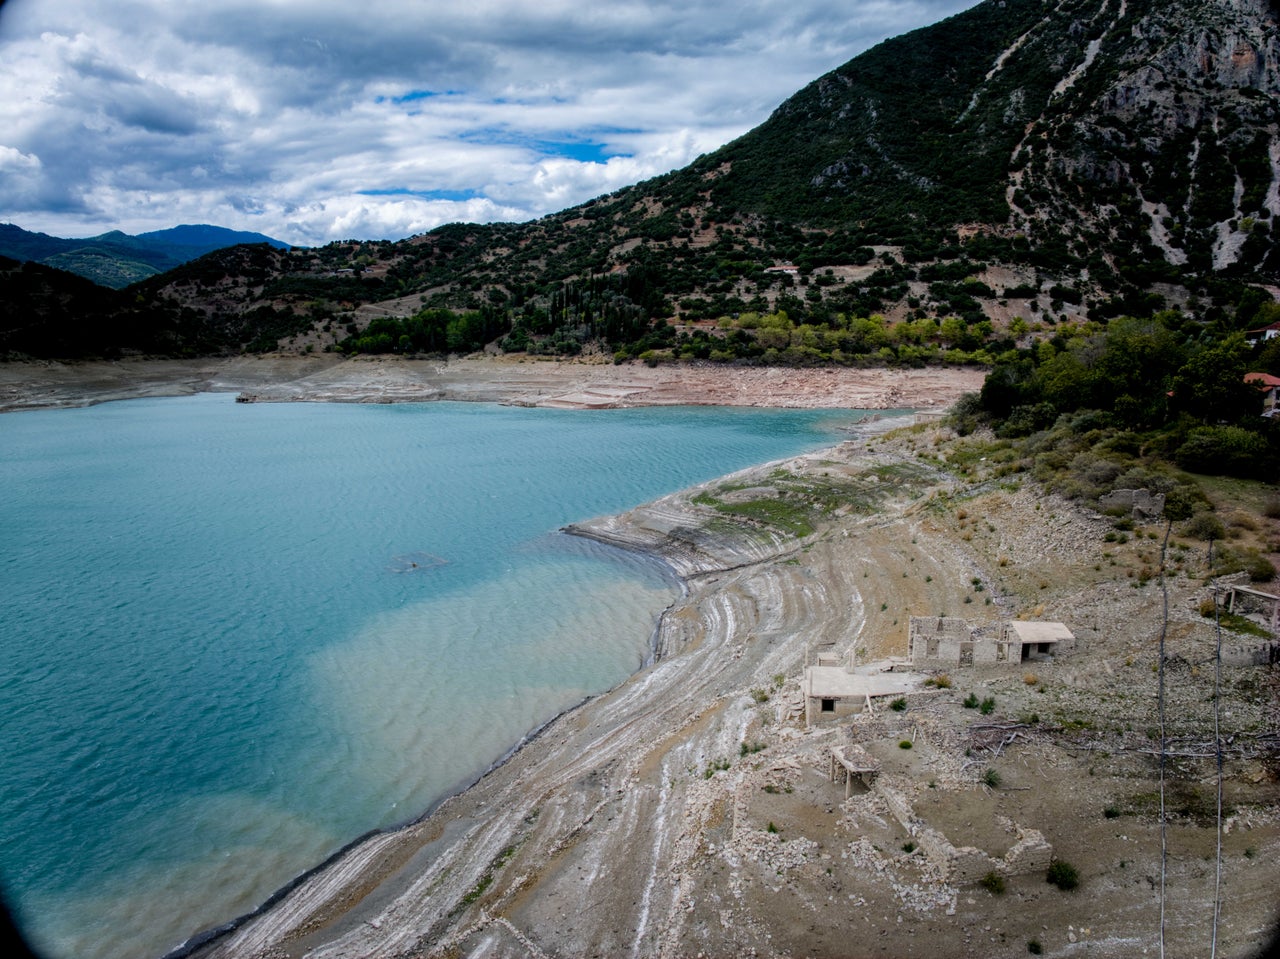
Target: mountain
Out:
[116,259]
[1015,167]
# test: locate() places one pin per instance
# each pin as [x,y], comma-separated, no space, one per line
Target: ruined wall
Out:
[1142,504]
[1030,854]
[936,640]
[1251,654]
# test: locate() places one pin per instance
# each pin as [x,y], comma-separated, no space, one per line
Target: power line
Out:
[1217,748]
[1164,630]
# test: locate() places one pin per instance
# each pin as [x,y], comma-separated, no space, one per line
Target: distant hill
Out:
[938,198]
[116,259]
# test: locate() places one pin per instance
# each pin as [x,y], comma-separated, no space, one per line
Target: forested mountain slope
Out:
[1021,165]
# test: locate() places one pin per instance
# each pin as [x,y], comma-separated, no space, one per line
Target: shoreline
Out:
[682,567]
[210,939]
[552,384]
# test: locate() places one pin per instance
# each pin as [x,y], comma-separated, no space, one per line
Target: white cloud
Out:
[313,120]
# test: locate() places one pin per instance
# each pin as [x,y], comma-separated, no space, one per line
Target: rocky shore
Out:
[690,812]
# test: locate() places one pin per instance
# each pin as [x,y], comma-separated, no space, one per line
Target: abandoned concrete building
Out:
[838,686]
[946,641]
[834,687]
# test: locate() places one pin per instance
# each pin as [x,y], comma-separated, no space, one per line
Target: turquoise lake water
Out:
[235,637]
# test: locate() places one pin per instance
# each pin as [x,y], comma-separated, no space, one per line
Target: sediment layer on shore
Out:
[553,384]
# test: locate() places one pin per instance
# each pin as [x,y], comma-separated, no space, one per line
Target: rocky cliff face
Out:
[1127,132]
[1163,140]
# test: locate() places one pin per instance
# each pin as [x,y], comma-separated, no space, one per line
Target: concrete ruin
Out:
[1142,504]
[1029,853]
[851,762]
[948,641]
[1245,599]
[835,688]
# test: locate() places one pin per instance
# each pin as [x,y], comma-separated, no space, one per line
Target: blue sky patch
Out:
[414,95]
[588,148]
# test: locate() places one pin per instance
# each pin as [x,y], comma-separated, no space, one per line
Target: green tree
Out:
[1210,385]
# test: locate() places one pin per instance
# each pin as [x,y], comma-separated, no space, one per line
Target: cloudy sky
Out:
[314,120]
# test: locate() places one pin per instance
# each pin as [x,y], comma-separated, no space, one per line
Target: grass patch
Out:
[718,765]
[485,881]
[1233,622]
[793,518]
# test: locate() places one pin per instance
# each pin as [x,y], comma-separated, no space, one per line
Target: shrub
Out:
[898,705]
[991,778]
[993,883]
[1260,568]
[1112,811]
[1204,526]
[1225,450]
[1063,875]
[1034,947]
[988,706]
[970,701]
[908,846]
[904,744]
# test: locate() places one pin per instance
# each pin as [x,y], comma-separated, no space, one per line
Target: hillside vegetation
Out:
[944,197]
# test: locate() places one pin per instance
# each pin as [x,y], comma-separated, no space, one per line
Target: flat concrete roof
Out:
[835,682]
[1030,632]
[1255,592]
